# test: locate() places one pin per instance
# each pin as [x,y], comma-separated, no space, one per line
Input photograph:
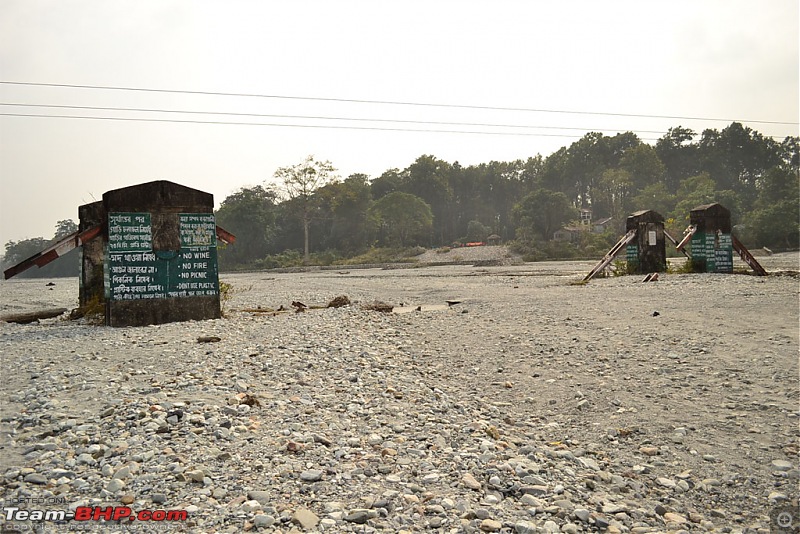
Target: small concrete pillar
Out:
[158,255]
[92,257]
[712,242]
[647,252]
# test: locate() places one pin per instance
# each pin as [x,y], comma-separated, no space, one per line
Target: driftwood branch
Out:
[29,317]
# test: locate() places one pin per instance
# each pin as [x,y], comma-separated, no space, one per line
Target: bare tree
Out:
[300,182]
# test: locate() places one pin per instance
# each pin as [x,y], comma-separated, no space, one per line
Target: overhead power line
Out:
[315,117]
[387,102]
[323,126]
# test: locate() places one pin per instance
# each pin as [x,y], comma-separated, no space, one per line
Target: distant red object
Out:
[476,244]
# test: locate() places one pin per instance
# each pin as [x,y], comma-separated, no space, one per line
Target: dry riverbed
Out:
[533,404]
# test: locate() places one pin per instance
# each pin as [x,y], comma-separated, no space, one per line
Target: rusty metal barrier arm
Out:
[678,245]
[747,257]
[55,251]
[609,257]
[225,236]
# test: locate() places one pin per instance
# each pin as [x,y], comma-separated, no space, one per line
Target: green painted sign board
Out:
[134,271]
[632,255]
[723,254]
[712,251]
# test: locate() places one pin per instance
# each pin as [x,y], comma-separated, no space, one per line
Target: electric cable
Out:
[383,102]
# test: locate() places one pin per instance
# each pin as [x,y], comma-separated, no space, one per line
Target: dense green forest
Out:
[314,216]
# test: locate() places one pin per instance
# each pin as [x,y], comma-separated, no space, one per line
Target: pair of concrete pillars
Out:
[711,248]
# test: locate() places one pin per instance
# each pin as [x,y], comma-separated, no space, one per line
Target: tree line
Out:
[435,203]
[308,214]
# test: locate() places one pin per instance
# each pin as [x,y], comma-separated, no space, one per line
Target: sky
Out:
[366,85]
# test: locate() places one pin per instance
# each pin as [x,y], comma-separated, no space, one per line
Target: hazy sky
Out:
[723,59]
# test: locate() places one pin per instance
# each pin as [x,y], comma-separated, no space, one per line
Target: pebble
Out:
[470,482]
[665,482]
[782,465]
[312,475]
[529,500]
[430,478]
[263,521]
[490,525]
[777,497]
[670,517]
[612,508]
[602,523]
[196,475]
[115,485]
[305,518]
[525,527]
[357,516]
[251,506]
[35,478]
[589,463]
[262,497]
[583,514]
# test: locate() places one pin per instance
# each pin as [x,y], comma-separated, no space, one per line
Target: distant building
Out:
[602,225]
[568,233]
[586,217]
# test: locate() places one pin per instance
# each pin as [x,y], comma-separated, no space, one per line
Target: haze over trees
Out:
[434,203]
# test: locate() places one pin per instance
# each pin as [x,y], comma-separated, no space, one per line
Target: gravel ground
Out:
[534,404]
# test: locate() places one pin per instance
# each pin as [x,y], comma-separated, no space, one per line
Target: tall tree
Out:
[402,218]
[429,179]
[300,182]
[388,182]
[531,173]
[542,213]
[644,166]
[655,197]
[775,221]
[582,166]
[347,203]
[693,191]
[477,231]
[249,214]
[612,194]
[553,175]
[790,153]
[65,227]
[679,156]
[737,158]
